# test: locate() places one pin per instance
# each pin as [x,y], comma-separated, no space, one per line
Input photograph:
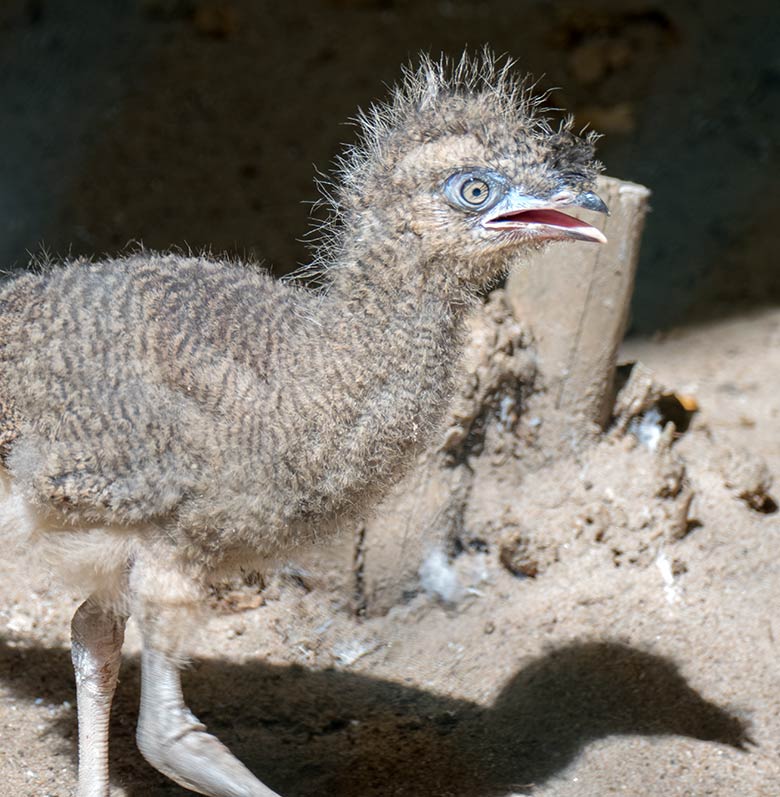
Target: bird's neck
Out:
[379,358]
[404,316]
[402,329]
[394,266]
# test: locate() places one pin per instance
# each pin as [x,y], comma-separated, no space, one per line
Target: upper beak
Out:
[590,201]
[542,218]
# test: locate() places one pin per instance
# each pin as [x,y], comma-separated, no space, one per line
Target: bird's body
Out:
[164,419]
[202,404]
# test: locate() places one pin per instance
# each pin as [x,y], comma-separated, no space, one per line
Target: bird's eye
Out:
[475,191]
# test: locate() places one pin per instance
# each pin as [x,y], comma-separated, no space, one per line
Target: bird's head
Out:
[459,172]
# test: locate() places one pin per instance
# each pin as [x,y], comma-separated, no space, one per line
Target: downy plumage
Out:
[165,418]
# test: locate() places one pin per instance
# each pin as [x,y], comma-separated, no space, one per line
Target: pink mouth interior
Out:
[552,218]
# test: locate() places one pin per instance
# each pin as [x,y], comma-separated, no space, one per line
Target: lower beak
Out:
[546,224]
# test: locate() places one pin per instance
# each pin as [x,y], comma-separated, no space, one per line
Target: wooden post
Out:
[575,300]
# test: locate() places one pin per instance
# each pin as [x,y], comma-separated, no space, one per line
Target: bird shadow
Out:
[307,733]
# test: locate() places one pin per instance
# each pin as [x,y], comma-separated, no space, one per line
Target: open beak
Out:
[543,220]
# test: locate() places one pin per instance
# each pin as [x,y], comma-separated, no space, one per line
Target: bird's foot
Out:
[174,742]
[198,761]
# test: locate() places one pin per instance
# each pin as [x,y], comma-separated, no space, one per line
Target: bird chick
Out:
[165,420]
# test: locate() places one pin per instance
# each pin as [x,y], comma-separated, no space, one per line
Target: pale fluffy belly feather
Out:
[91,561]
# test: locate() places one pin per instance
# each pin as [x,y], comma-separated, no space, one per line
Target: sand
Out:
[639,659]
[564,639]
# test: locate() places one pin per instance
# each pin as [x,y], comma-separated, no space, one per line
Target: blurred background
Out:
[198,123]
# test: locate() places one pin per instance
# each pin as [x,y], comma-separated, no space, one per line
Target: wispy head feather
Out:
[481,96]
[443,97]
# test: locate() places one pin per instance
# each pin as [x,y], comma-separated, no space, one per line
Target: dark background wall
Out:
[197,122]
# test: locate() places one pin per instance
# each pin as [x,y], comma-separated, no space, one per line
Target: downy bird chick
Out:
[165,420]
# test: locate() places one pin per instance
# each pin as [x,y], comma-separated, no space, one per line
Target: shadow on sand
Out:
[316,733]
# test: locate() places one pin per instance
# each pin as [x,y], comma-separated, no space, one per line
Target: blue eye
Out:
[475,191]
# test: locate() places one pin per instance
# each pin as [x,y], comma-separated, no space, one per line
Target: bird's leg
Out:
[96,645]
[173,740]
[169,736]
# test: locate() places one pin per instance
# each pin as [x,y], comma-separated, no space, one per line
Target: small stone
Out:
[516,556]
[749,477]
[679,567]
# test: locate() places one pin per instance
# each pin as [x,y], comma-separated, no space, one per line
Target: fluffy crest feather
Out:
[481,94]
[441,96]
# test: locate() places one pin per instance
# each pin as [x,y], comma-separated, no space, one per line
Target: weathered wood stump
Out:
[576,299]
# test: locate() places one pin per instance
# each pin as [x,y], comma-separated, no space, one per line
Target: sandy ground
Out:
[636,661]
[610,672]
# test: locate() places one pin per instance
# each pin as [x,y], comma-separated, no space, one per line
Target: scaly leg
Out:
[174,742]
[166,599]
[96,646]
